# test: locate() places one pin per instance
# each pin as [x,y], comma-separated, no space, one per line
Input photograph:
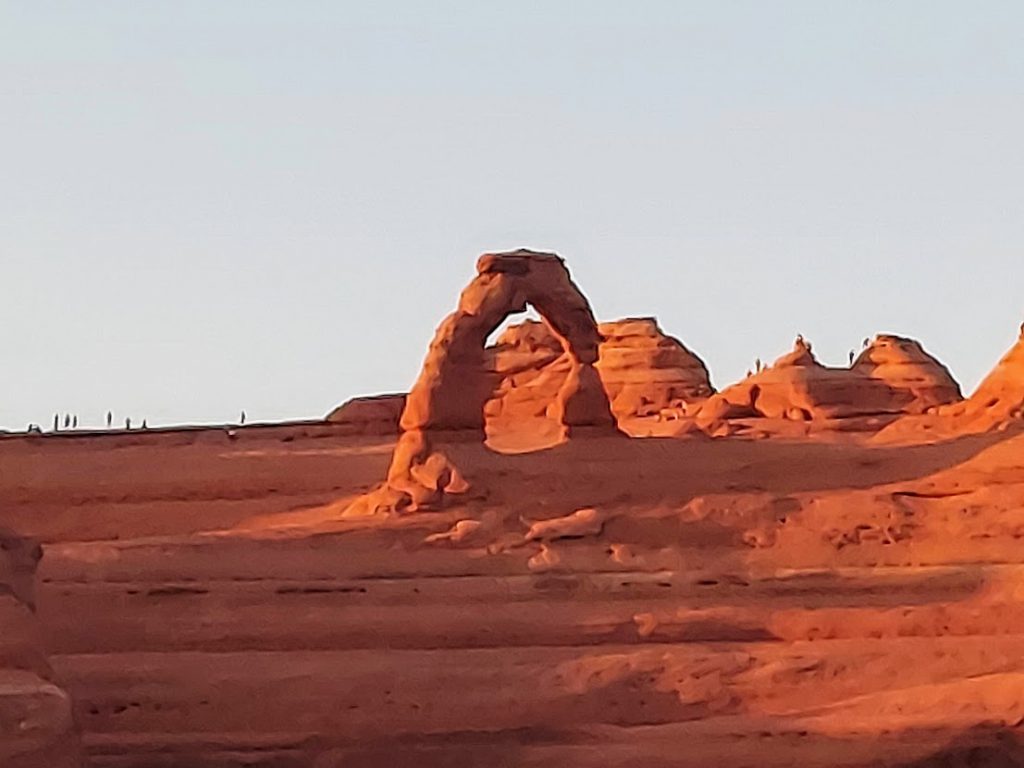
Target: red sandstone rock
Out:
[799,388]
[642,370]
[376,415]
[455,384]
[645,371]
[910,372]
[36,726]
[1000,396]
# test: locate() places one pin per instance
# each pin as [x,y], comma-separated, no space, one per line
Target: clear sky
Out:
[210,206]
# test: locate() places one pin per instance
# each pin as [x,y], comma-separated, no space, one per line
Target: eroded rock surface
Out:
[454,385]
[892,377]
[916,380]
[642,370]
[36,725]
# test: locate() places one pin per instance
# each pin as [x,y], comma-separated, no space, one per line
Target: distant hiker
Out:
[56,422]
[144,424]
[864,345]
[757,365]
[242,419]
[67,420]
[110,419]
[74,422]
[851,357]
[128,423]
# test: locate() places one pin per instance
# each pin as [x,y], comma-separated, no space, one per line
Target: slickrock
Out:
[999,399]
[36,725]
[916,379]
[892,377]
[454,385]
[642,370]
[375,415]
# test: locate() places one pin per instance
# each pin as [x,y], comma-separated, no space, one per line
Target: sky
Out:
[207,207]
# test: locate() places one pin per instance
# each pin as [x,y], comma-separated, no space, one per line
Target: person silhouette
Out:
[110,419]
[242,418]
[851,357]
[128,423]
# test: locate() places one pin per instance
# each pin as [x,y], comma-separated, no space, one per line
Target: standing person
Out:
[128,423]
[242,419]
[74,421]
[110,419]
[56,422]
[851,357]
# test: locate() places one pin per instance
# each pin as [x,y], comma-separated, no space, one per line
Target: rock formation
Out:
[916,379]
[645,371]
[375,415]
[36,725]
[642,370]
[1000,396]
[799,388]
[454,384]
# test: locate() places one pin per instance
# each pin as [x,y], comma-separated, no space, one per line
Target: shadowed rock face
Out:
[454,385]
[36,727]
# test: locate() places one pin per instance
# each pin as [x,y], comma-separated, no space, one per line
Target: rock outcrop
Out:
[916,379]
[799,388]
[454,385]
[645,371]
[642,370]
[1000,396]
[375,415]
[36,725]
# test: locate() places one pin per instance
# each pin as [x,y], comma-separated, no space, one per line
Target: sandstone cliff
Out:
[36,725]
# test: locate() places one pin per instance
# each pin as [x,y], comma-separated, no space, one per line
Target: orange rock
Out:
[892,377]
[904,366]
[1000,396]
[642,370]
[455,383]
[36,724]
[376,415]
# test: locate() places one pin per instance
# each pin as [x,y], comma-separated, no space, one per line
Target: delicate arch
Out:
[454,385]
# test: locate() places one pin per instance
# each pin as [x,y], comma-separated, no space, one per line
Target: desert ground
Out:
[563,549]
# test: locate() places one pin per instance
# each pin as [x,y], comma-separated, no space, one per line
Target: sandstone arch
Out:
[454,385]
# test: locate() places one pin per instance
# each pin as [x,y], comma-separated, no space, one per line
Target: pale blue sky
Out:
[209,206]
